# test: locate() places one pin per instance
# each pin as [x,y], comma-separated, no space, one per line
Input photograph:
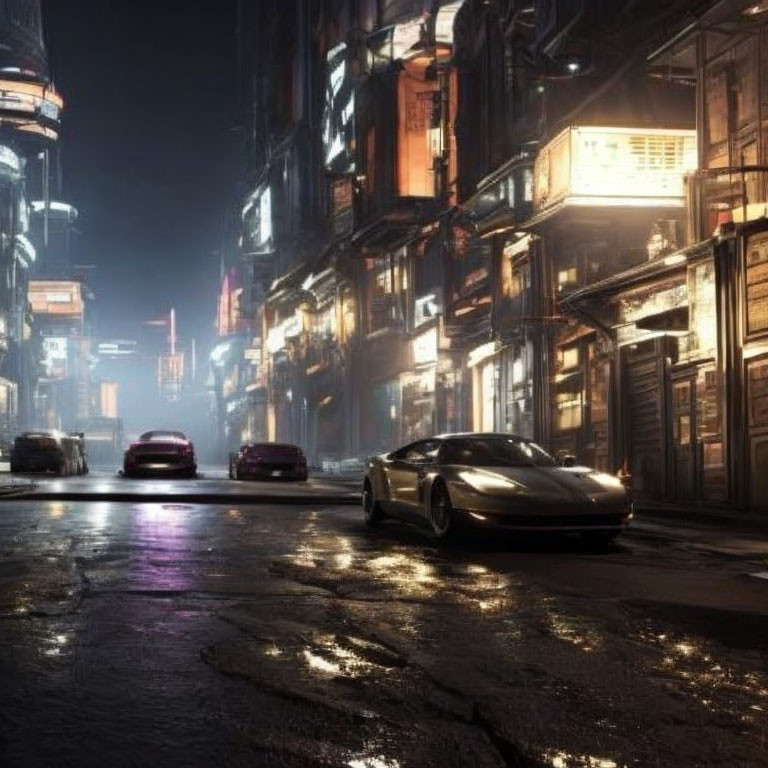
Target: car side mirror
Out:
[567,460]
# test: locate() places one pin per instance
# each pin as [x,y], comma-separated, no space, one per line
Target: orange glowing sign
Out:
[109,399]
[420,131]
[56,297]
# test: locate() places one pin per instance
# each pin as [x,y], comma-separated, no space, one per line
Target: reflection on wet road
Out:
[177,634]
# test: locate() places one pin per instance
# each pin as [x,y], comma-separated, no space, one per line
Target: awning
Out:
[671,321]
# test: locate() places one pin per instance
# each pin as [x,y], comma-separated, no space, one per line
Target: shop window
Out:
[489,396]
[384,308]
[348,316]
[418,404]
[569,358]
[707,404]
[568,406]
[528,185]
[758,394]
[681,417]
[757,284]
[598,383]
[383,282]
[324,325]
[515,278]
[519,400]
[567,278]
[703,309]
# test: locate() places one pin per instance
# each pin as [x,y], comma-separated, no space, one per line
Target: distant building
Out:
[61,312]
[30,110]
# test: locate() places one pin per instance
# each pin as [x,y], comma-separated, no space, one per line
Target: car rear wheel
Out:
[441,516]
[371,509]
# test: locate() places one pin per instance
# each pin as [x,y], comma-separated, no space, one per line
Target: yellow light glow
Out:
[611,166]
[36,90]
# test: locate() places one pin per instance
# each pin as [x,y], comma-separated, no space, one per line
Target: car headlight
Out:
[487,482]
[606,480]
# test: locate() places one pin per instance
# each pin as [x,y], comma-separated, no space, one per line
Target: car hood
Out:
[557,484]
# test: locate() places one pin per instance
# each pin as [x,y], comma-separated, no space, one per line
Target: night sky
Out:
[149,153]
[151,159]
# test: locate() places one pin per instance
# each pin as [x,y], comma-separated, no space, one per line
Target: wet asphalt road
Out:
[169,634]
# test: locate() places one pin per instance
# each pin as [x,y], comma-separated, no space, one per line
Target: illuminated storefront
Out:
[664,420]
[65,395]
[611,166]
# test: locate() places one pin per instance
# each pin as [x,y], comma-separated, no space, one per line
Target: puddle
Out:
[378,761]
[711,681]
[573,630]
[347,656]
[409,574]
[559,759]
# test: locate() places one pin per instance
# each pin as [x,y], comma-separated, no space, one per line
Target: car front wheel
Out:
[441,514]
[371,509]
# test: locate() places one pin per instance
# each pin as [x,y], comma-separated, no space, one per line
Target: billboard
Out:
[56,297]
[56,357]
[339,113]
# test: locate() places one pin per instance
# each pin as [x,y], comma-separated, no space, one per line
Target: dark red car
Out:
[268,460]
[161,452]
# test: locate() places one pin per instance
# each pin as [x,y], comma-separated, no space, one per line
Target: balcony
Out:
[30,106]
[613,167]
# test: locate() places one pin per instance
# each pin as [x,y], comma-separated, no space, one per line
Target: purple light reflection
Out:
[167,559]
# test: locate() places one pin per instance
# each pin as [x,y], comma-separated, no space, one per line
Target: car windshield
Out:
[161,436]
[495,452]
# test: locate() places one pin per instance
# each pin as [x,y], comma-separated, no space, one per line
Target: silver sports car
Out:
[493,481]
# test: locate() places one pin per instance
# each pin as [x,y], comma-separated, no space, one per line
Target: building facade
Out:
[476,215]
[30,111]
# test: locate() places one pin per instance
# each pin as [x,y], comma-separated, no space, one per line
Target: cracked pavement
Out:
[275,635]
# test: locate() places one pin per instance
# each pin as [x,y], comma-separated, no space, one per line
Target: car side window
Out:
[424,452]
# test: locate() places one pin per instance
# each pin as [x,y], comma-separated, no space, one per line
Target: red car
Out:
[268,460]
[161,452]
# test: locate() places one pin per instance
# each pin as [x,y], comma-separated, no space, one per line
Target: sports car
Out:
[48,450]
[492,482]
[160,452]
[268,460]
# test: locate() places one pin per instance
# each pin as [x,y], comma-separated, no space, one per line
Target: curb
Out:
[707,516]
[15,490]
[186,498]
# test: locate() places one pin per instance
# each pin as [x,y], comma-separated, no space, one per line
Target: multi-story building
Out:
[687,327]
[542,218]
[29,124]
[61,312]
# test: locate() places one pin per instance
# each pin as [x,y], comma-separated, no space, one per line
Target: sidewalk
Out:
[716,516]
[9,486]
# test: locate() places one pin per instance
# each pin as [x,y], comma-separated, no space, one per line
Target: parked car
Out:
[268,460]
[493,482]
[46,451]
[161,452]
